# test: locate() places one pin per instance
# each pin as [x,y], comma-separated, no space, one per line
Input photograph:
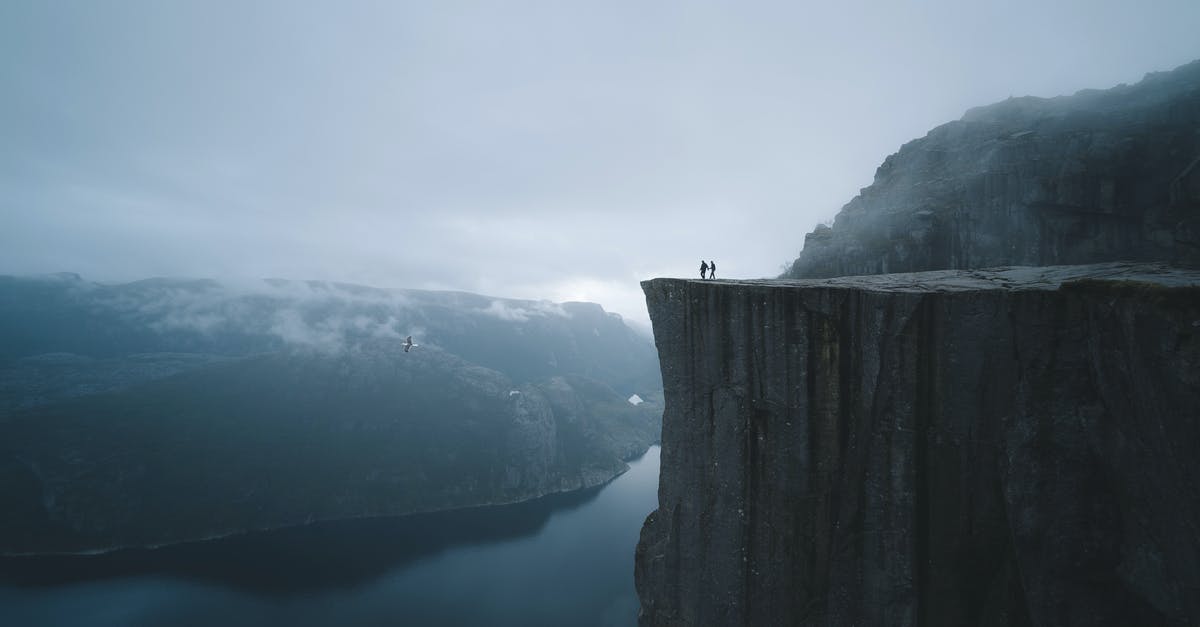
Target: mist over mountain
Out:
[525,339]
[965,404]
[1091,177]
[167,410]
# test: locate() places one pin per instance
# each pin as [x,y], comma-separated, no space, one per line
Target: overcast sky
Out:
[556,149]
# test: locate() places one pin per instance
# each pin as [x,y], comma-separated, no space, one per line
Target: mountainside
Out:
[960,448]
[524,339]
[163,411]
[1097,176]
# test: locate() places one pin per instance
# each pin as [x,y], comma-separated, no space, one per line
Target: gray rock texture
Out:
[1015,446]
[1093,177]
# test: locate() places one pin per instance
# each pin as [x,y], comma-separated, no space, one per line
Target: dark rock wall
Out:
[948,448]
[1093,177]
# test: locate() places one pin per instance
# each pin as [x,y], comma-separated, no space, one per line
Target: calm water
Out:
[563,560]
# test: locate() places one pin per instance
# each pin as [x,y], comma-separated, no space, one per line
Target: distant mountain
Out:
[1097,176]
[524,339]
[163,411]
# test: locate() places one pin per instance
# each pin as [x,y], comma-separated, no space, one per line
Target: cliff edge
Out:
[1014,446]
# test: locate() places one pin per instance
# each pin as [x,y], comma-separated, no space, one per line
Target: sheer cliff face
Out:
[1093,177]
[1010,447]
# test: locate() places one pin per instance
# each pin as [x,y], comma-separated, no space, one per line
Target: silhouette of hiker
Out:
[703,268]
[712,269]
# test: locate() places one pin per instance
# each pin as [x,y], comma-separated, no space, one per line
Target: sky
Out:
[552,149]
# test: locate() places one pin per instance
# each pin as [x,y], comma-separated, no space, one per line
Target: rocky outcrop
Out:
[961,448]
[1093,177]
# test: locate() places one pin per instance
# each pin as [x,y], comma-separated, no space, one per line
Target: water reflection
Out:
[562,560]
[298,560]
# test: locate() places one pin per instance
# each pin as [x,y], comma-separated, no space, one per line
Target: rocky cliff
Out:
[1093,177]
[962,448]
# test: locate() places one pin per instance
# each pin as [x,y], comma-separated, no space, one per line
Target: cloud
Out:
[315,315]
[310,315]
[514,152]
[524,311]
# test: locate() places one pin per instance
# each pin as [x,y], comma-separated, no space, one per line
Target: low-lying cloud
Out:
[522,313]
[309,315]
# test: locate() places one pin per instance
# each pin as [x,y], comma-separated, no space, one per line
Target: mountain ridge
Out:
[1086,178]
[166,411]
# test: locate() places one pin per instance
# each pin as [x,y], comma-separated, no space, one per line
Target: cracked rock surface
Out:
[1014,446]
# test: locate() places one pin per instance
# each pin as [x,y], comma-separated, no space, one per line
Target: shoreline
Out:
[242,533]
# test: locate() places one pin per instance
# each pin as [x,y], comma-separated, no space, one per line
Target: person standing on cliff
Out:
[703,268]
[712,270]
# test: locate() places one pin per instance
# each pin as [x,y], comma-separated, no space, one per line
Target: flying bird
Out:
[408,343]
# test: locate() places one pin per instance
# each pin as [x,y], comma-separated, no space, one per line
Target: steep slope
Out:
[299,404]
[1003,447]
[1093,177]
